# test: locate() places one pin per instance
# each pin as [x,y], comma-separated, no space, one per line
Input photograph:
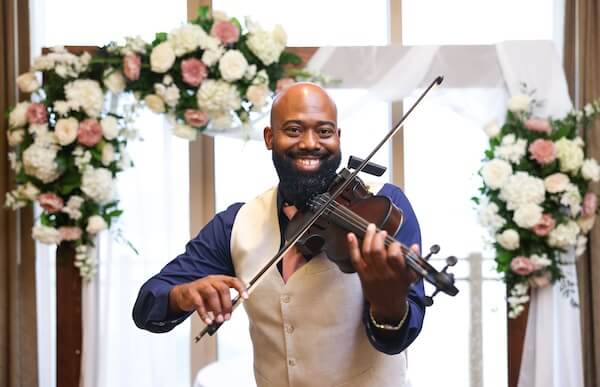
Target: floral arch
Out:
[67,148]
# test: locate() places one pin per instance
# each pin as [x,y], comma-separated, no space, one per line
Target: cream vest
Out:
[308,332]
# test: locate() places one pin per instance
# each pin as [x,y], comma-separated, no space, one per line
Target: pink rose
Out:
[89,133]
[538,125]
[195,118]
[37,113]
[540,281]
[521,265]
[545,225]
[225,31]
[69,233]
[132,65]
[590,204]
[193,71]
[51,202]
[543,151]
[283,84]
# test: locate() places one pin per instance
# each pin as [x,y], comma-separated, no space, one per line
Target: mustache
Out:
[316,153]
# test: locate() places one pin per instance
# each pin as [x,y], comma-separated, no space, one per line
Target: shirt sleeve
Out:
[409,234]
[207,254]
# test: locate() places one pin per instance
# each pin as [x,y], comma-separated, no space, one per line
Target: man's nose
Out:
[309,140]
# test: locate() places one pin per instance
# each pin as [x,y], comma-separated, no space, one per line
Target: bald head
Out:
[302,99]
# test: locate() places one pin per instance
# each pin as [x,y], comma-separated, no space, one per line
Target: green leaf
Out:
[203,12]
[289,58]
[159,38]
[237,23]
[475,199]
[115,213]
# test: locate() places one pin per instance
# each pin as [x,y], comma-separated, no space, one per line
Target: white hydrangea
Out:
[114,80]
[97,183]
[218,96]
[265,45]
[564,235]
[232,65]
[39,160]
[489,217]
[85,94]
[62,62]
[495,173]
[528,215]
[572,199]
[61,108]
[511,149]
[522,188]
[186,38]
[82,157]
[133,45]
[45,234]
[73,206]
[570,155]
[590,170]
[221,120]
[509,239]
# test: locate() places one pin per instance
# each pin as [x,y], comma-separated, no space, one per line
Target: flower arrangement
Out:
[535,199]
[67,149]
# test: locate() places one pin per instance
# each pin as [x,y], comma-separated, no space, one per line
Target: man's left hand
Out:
[383,272]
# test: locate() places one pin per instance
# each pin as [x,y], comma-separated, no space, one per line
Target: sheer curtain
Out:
[154,197]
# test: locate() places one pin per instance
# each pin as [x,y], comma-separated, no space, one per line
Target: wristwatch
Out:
[389,327]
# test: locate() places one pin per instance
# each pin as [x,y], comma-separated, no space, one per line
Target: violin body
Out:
[328,233]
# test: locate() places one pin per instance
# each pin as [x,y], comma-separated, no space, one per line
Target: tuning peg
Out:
[450,261]
[434,249]
[428,301]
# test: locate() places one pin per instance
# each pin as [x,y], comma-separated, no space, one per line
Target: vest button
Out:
[285,298]
[289,328]
[291,362]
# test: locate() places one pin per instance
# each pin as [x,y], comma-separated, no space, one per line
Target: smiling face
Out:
[304,140]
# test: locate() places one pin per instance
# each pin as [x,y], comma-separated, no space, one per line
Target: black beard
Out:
[297,186]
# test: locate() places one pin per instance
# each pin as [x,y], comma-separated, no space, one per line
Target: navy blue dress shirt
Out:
[209,253]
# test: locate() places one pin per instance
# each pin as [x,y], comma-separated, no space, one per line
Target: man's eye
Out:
[293,130]
[325,132]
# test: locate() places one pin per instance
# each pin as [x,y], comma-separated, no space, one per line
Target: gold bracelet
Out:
[389,327]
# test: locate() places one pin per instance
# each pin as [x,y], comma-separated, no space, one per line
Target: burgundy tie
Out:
[292,260]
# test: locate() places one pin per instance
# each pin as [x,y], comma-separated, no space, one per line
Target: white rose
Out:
[97,183]
[528,215]
[155,103]
[15,136]
[492,129]
[509,239]
[232,65]
[110,127]
[185,131]
[108,154]
[95,224]
[45,234]
[279,35]
[495,173]
[564,235]
[210,57]
[262,78]
[257,95]
[522,188]
[590,170]
[162,58]
[519,103]
[18,116]
[114,80]
[570,155]
[557,182]
[28,82]
[61,107]
[66,130]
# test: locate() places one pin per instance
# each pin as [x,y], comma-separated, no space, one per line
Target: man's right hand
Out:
[209,296]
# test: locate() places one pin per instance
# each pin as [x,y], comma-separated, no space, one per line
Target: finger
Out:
[367,241]
[201,309]
[226,305]
[355,255]
[416,249]
[212,301]
[238,285]
[378,250]
[395,257]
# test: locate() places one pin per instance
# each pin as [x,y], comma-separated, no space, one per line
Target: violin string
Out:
[360,223]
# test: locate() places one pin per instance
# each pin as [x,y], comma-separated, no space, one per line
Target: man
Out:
[311,324]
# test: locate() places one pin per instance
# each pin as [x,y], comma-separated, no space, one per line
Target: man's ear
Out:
[339,132]
[268,136]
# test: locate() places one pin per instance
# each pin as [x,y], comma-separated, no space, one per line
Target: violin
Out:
[348,206]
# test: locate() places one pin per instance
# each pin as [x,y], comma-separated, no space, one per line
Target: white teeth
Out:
[308,162]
